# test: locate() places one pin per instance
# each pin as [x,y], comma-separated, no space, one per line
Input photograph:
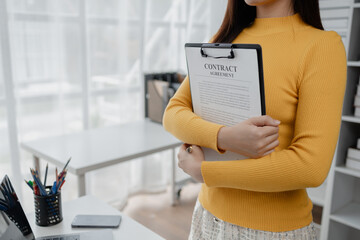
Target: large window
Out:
[78,64]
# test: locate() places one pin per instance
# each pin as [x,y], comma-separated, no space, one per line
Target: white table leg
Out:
[81,185]
[37,164]
[172,179]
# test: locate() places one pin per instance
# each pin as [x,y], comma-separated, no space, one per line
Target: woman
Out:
[265,196]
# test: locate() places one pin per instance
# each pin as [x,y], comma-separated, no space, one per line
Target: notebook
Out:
[15,226]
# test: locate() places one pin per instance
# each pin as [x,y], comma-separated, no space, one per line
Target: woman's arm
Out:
[254,137]
[306,162]
[179,119]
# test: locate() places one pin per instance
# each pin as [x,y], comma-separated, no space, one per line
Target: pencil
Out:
[28,184]
[56,173]
[46,172]
[66,164]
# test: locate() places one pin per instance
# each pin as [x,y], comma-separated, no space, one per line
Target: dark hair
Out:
[239,15]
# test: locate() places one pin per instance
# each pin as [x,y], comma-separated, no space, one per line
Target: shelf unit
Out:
[341,214]
[354,63]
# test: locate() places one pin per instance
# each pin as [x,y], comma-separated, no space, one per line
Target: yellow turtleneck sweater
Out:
[305,76]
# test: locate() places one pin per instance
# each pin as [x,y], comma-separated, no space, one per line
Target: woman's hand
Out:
[190,161]
[254,137]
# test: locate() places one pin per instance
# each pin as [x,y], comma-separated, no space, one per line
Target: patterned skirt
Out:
[206,226]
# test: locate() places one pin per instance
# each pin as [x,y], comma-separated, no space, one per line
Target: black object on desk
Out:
[48,209]
[14,216]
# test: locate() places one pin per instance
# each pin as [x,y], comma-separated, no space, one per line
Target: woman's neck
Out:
[275,8]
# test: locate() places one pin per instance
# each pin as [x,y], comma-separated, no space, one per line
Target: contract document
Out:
[227,86]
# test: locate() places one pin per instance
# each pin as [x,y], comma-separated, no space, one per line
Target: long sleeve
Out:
[180,121]
[307,160]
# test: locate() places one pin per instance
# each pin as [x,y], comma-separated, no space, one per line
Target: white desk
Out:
[129,229]
[97,148]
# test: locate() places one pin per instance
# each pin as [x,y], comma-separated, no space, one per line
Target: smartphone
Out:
[96,221]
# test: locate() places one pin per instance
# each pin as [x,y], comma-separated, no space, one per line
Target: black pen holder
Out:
[48,209]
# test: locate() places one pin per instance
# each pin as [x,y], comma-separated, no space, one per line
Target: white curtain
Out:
[79,64]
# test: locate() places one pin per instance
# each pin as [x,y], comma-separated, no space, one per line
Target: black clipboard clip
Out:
[217,45]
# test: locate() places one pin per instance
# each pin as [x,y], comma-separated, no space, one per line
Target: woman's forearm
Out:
[254,137]
[181,122]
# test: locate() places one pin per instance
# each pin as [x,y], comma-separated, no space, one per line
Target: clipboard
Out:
[226,84]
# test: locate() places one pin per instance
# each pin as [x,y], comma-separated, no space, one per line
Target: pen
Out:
[36,189]
[28,183]
[46,171]
[62,184]
[63,174]
[53,189]
[41,187]
[57,177]
[66,165]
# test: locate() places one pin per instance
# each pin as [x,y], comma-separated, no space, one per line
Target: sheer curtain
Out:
[79,64]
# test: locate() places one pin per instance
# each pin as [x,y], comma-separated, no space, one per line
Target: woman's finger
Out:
[268,152]
[196,147]
[183,147]
[269,139]
[181,152]
[264,121]
[269,130]
[271,146]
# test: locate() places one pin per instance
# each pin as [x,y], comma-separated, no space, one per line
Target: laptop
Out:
[15,226]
